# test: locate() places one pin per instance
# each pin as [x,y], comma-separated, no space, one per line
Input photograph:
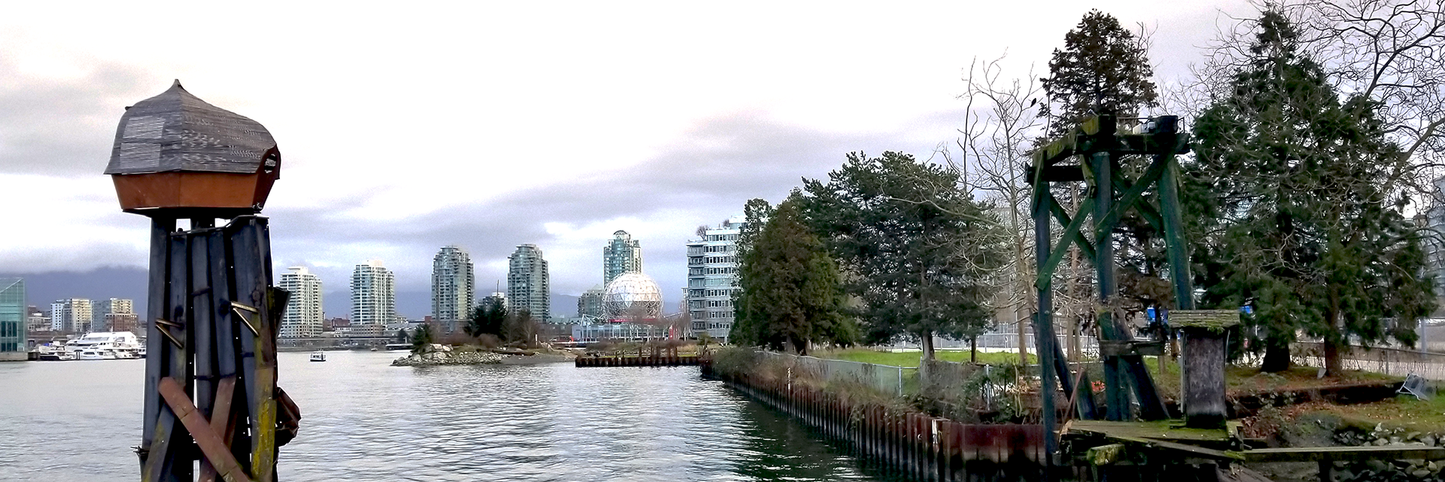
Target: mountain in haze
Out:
[97,284]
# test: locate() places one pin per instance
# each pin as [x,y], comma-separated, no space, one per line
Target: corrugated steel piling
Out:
[903,441]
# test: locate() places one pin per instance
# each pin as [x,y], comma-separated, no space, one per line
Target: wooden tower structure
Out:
[210,385]
[1090,153]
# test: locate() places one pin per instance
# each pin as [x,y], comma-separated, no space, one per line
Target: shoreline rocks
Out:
[437,358]
[1402,470]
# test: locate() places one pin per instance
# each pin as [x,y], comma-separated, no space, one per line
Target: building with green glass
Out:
[12,319]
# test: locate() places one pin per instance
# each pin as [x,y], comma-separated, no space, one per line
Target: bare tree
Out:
[1389,51]
[999,127]
[1393,52]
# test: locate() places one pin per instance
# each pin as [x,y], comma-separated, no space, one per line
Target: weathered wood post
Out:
[1205,334]
[210,385]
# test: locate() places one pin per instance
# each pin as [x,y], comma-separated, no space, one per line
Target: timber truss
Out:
[1090,154]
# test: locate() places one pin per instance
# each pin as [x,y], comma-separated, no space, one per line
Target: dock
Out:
[638,361]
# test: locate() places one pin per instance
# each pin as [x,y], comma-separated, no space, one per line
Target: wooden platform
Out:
[1307,454]
[1164,430]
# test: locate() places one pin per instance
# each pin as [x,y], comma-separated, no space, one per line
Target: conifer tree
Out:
[1103,68]
[917,251]
[1286,201]
[791,294]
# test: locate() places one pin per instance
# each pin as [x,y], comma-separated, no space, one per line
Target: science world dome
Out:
[632,296]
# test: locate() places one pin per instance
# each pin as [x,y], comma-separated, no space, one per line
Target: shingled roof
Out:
[176,131]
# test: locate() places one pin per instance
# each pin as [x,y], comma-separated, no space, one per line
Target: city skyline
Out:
[662,159]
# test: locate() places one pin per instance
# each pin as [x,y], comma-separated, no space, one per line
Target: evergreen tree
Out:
[421,337]
[1103,68]
[791,294]
[1286,203]
[487,318]
[917,250]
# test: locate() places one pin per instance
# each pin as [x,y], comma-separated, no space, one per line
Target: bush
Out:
[489,341]
[734,361]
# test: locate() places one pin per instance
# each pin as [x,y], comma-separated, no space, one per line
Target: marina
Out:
[122,345]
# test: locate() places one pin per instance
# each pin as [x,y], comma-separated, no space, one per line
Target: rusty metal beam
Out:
[210,444]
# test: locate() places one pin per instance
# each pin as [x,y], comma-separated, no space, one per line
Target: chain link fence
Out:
[885,379]
[1390,361]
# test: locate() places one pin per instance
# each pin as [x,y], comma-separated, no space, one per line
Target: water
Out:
[365,420]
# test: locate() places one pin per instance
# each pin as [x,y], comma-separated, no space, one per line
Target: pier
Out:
[638,361]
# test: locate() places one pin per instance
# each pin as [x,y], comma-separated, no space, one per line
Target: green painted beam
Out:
[1064,220]
[1071,232]
[1134,192]
[1178,250]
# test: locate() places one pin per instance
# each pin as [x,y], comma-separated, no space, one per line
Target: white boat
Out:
[95,354]
[318,356]
[109,345]
[53,352]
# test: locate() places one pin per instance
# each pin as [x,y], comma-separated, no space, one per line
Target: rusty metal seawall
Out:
[905,442]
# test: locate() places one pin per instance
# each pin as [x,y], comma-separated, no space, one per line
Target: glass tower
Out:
[12,316]
[622,255]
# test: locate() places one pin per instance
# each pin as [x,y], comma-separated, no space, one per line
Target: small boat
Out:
[95,354]
[49,352]
[318,356]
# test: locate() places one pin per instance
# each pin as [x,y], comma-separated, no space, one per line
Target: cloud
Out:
[56,125]
[702,178]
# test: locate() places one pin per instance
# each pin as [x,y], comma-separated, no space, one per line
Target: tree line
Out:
[1317,132]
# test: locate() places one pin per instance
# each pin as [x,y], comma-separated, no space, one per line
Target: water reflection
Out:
[365,420]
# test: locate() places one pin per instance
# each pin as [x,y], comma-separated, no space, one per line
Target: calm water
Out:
[365,420]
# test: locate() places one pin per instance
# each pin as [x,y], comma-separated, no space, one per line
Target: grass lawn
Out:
[1244,379]
[910,359]
[1402,411]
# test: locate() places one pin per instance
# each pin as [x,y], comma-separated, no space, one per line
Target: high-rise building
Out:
[453,288]
[120,306]
[373,298]
[498,296]
[12,319]
[303,308]
[622,255]
[589,305]
[712,272]
[528,283]
[1434,248]
[71,315]
[113,314]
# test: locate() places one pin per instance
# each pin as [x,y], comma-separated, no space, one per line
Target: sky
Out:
[492,124]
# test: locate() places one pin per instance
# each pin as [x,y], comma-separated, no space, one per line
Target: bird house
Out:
[177,156]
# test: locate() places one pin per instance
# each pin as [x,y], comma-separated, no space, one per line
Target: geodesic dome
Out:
[632,297]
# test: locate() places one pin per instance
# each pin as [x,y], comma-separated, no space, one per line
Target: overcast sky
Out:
[492,124]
